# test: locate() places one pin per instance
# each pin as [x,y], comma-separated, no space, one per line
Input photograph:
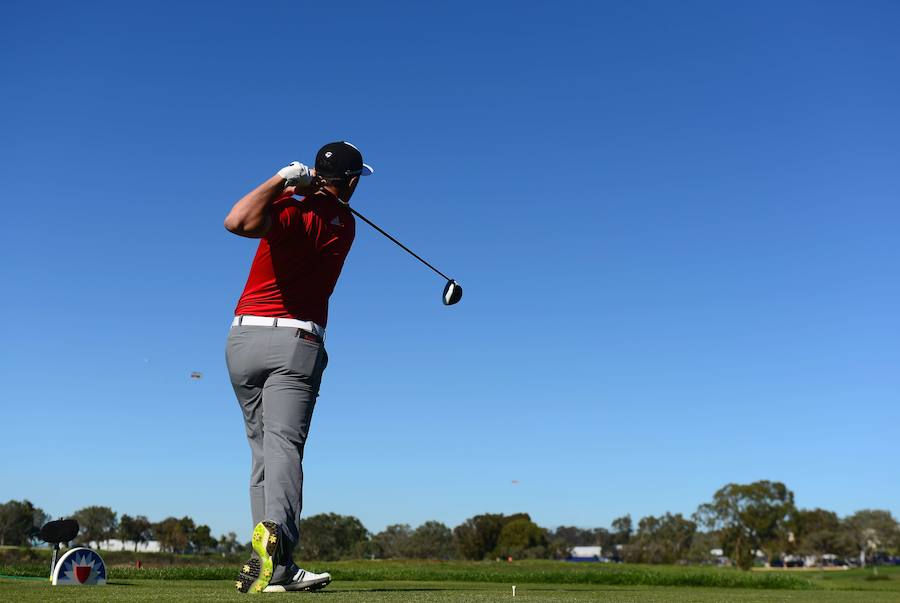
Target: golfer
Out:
[276,352]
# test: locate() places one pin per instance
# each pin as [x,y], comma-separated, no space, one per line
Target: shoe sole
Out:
[284,588]
[319,585]
[256,573]
[248,575]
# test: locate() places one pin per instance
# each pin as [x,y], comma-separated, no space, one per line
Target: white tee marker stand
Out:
[79,567]
[514,590]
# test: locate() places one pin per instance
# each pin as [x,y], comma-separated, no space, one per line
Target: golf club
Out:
[452,291]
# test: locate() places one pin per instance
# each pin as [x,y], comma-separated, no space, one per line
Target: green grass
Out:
[413,581]
[885,579]
[24,590]
[533,572]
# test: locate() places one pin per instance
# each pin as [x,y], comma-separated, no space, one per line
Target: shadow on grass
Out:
[423,589]
[335,591]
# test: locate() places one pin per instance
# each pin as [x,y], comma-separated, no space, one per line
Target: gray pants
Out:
[276,373]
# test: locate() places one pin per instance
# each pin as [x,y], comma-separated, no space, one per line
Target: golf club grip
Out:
[404,247]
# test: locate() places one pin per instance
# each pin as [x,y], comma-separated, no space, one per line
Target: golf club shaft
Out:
[404,247]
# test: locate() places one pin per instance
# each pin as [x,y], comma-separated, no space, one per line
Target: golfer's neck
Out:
[335,192]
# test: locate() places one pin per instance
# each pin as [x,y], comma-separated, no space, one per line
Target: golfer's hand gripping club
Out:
[297,174]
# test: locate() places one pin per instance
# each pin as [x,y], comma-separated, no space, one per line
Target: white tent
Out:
[586,552]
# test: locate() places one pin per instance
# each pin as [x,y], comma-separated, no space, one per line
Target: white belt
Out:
[271,321]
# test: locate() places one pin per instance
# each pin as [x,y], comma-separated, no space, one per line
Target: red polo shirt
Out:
[299,259]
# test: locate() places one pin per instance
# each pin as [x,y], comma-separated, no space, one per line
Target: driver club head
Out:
[452,293]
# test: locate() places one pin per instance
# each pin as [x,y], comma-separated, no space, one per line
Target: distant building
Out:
[585,553]
[151,546]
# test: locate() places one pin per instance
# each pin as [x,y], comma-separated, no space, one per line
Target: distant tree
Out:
[521,538]
[125,530]
[228,544]
[558,546]
[477,537]
[143,530]
[870,531]
[19,522]
[749,517]
[663,539]
[173,534]
[622,529]
[98,524]
[329,536]
[818,532]
[573,536]
[702,545]
[564,538]
[392,542]
[202,540]
[134,529]
[606,540]
[39,518]
[431,540]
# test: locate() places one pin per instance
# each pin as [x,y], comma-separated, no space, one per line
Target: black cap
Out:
[340,160]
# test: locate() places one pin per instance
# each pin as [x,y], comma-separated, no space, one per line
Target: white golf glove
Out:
[296,174]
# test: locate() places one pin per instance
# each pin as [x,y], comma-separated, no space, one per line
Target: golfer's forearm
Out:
[250,216]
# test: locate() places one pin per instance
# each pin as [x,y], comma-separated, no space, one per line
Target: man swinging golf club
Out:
[275,351]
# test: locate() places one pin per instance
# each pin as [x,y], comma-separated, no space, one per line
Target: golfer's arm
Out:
[250,216]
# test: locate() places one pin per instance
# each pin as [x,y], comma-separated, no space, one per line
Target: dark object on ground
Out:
[56,532]
[61,530]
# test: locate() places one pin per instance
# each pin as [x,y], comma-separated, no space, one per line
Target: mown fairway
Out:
[463,581]
[221,590]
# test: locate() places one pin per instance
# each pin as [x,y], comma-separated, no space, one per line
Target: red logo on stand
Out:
[83,572]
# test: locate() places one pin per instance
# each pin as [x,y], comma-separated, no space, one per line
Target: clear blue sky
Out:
[676,224]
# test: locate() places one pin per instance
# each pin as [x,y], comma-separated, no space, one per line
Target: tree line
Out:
[748,522]
[20,523]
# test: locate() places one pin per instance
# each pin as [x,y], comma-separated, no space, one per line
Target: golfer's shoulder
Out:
[317,207]
[320,212]
[290,202]
[297,207]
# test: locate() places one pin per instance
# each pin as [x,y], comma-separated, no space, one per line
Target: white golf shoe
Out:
[302,580]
